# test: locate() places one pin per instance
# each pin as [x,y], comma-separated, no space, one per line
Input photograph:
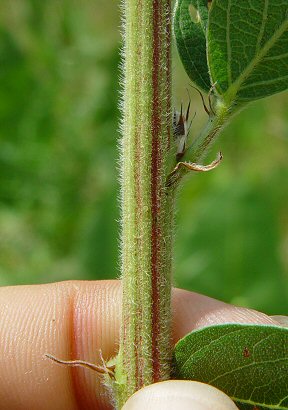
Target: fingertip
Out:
[194,311]
[179,395]
[74,320]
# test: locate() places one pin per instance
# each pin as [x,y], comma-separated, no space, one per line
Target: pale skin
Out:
[74,320]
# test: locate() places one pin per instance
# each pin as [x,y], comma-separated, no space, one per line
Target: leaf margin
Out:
[197,74]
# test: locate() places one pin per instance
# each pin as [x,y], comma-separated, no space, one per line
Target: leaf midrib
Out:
[234,87]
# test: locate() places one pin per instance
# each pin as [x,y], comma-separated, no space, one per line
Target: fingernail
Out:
[179,395]
[281,319]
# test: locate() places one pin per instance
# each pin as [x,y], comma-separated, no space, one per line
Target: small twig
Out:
[192,166]
[81,363]
[109,369]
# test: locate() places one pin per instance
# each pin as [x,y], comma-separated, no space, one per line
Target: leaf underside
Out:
[191,40]
[248,47]
[248,362]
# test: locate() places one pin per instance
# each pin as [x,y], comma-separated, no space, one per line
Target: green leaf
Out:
[190,21]
[248,48]
[248,362]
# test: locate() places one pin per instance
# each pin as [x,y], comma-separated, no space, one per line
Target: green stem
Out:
[203,142]
[210,131]
[145,341]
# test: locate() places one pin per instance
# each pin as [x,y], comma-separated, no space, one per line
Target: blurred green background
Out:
[59,93]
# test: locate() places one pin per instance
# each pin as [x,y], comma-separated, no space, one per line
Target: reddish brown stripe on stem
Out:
[155,188]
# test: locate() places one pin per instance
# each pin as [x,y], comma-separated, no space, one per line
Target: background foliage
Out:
[59,166]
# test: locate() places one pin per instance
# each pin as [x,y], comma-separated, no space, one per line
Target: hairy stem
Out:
[145,341]
[207,136]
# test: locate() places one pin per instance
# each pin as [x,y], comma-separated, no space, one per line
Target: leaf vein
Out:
[254,403]
[233,89]
[281,401]
[278,57]
[208,344]
[228,41]
[246,367]
[264,82]
[263,23]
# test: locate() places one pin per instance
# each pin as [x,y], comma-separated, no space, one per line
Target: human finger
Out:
[74,320]
[193,311]
[68,320]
